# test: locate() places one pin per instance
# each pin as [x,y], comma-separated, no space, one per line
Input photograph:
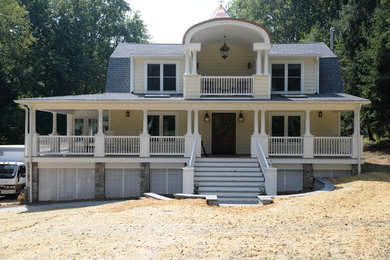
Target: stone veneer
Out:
[35,181]
[308,176]
[145,178]
[100,179]
[354,170]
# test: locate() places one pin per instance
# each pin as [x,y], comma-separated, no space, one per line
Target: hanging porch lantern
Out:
[224,49]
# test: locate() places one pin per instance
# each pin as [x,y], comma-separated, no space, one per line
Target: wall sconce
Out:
[207,117]
[127,113]
[240,117]
[320,114]
[249,65]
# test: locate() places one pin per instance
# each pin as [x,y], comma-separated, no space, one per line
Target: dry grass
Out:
[351,222]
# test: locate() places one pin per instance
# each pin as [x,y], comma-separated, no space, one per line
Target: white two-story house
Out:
[221,113]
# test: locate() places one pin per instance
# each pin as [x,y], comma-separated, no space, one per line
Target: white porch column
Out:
[308,138]
[100,122]
[189,121]
[188,137]
[69,125]
[187,62]
[307,122]
[356,134]
[145,122]
[263,135]
[33,120]
[99,137]
[33,132]
[196,122]
[144,137]
[196,134]
[266,62]
[255,134]
[54,126]
[258,63]
[194,61]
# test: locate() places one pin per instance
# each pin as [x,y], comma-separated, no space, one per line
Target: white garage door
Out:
[122,183]
[166,181]
[66,184]
[289,180]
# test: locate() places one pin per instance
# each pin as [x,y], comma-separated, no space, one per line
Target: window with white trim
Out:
[161,77]
[162,124]
[286,125]
[287,77]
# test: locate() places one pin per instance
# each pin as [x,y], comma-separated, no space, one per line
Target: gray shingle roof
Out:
[316,48]
[124,50]
[118,75]
[132,97]
[330,76]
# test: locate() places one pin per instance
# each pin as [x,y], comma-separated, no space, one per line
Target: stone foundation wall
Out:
[308,176]
[100,179]
[145,178]
[35,181]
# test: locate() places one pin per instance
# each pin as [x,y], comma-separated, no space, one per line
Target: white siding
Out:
[139,71]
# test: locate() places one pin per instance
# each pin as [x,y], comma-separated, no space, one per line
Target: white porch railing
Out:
[285,145]
[333,146]
[226,86]
[270,173]
[171,145]
[122,145]
[62,145]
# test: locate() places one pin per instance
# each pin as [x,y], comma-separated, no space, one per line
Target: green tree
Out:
[15,39]
[363,48]
[290,20]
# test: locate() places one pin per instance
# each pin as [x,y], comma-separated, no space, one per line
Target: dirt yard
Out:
[351,222]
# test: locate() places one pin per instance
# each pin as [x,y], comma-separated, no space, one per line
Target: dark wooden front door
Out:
[224,133]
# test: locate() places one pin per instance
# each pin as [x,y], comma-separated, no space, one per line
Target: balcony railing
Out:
[285,146]
[333,146]
[63,145]
[226,86]
[122,145]
[171,145]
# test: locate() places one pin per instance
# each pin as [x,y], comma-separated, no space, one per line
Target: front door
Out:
[224,133]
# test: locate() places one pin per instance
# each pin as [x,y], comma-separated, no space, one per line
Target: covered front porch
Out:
[172,133]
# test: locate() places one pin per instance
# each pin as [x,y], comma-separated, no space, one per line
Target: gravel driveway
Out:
[352,221]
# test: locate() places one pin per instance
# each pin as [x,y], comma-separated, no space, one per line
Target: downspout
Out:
[25,133]
[358,146]
[30,155]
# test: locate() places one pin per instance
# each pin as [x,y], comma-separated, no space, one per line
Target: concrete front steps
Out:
[233,180]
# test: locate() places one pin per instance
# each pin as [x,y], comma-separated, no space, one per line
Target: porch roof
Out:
[324,97]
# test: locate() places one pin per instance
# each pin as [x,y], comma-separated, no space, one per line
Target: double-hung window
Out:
[161,77]
[287,77]
[162,124]
[286,125]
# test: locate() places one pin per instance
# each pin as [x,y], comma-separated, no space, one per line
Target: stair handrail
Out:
[270,173]
[261,156]
[191,162]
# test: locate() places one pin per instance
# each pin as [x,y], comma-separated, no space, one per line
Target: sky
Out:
[168,20]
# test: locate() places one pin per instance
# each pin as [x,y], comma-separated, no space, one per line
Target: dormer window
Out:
[161,77]
[287,77]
